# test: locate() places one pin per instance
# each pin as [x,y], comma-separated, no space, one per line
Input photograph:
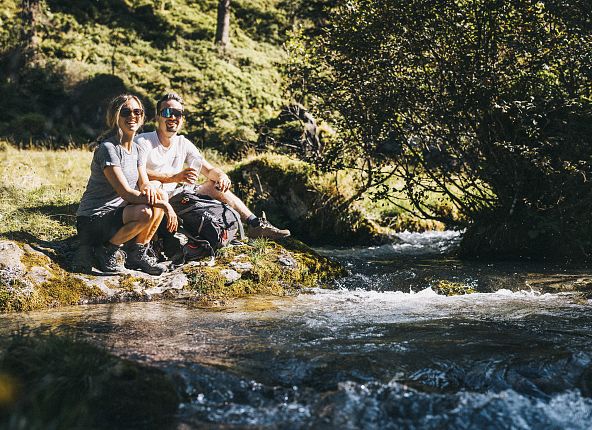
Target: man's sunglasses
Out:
[127,112]
[170,112]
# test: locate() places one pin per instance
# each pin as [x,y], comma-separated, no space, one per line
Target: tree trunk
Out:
[223,23]
[30,10]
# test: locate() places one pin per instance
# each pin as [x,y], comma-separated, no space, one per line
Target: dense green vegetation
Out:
[49,381]
[485,103]
[58,73]
[476,113]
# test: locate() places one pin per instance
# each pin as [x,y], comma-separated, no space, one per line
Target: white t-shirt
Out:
[169,160]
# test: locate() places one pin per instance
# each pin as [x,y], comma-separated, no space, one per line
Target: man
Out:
[167,154]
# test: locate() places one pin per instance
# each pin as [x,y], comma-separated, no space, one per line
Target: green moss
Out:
[274,271]
[293,195]
[206,281]
[448,288]
[317,268]
[20,297]
[61,382]
[67,290]
[130,283]
[35,259]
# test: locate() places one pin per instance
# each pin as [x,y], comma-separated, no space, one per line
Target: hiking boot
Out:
[110,259]
[82,262]
[265,229]
[141,257]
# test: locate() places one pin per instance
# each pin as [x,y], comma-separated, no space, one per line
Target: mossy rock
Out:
[31,279]
[449,288]
[60,382]
[287,191]
[266,267]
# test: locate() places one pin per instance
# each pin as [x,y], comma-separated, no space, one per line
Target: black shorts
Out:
[98,229]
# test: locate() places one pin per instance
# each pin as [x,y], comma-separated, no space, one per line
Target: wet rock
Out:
[39,275]
[177,282]
[30,279]
[287,261]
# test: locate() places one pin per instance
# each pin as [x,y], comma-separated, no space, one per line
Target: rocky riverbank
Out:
[37,276]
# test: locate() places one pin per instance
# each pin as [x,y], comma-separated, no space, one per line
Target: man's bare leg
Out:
[257,227]
[208,188]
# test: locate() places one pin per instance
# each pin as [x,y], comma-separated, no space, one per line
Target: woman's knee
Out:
[162,195]
[137,213]
[145,214]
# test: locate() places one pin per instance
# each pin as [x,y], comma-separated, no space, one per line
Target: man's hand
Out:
[188,175]
[172,221]
[223,183]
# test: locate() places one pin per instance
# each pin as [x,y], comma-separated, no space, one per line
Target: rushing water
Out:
[381,351]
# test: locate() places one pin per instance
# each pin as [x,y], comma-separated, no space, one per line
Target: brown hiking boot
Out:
[265,229]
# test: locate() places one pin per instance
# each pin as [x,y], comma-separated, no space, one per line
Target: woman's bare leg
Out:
[136,218]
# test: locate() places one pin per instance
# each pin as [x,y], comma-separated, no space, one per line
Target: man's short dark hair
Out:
[169,96]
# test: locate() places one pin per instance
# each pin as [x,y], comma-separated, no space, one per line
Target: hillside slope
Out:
[87,51]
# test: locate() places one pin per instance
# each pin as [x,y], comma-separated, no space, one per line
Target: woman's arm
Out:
[117,180]
[146,187]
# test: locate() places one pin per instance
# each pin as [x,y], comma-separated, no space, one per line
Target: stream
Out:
[380,351]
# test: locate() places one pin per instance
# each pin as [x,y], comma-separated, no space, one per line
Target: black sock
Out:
[253,221]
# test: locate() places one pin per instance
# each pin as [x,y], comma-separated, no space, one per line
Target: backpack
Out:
[203,219]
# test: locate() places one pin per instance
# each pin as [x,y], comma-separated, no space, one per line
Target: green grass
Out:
[49,381]
[40,191]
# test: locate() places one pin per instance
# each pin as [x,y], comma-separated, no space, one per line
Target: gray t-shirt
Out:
[99,196]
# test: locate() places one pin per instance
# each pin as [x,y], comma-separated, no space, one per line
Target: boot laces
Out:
[114,258]
[149,255]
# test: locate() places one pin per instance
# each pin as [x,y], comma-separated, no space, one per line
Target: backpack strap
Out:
[241,229]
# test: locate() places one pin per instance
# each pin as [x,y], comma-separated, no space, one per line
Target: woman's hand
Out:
[172,221]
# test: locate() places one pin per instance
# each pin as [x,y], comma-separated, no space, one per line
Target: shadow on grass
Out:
[64,214]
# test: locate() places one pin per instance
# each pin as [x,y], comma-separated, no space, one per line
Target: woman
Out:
[119,204]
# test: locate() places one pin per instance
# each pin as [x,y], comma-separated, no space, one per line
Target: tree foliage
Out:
[484,102]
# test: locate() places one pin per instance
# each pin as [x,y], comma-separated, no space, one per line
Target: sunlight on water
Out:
[381,351]
[406,243]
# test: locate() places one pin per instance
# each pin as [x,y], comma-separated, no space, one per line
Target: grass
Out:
[40,191]
[50,381]
[90,50]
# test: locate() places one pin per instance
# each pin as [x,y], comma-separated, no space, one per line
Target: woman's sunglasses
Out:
[170,112]
[127,112]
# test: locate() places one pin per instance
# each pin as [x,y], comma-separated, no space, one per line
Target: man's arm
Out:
[187,175]
[216,175]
